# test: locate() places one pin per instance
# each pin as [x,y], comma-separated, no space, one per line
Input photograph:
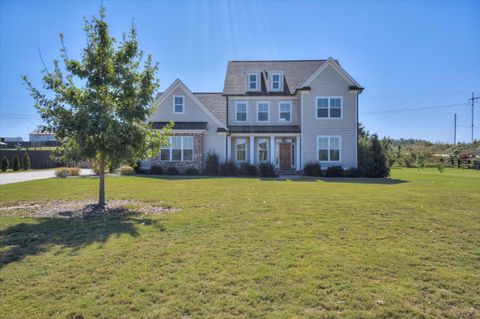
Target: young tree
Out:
[16,163]
[26,162]
[377,160]
[100,102]
[5,164]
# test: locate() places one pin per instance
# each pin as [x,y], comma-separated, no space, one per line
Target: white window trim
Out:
[329,97]
[247,82]
[279,111]
[236,111]
[280,79]
[183,104]
[170,148]
[267,149]
[236,150]
[339,147]
[268,111]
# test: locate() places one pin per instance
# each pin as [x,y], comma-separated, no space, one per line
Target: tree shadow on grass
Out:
[378,181]
[30,239]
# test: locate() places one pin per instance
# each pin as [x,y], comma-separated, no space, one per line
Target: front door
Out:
[285,156]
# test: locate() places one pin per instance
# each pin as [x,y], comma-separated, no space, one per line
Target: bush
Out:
[5,164]
[67,171]
[156,170]
[312,169]
[172,170]
[191,171]
[247,169]
[267,170]
[211,165]
[26,162]
[372,157]
[16,163]
[354,172]
[126,170]
[228,169]
[96,167]
[74,171]
[334,171]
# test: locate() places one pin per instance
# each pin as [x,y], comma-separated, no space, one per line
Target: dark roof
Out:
[296,72]
[216,103]
[263,129]
[182,125]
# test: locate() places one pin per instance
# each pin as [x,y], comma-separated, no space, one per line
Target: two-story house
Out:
[288,113]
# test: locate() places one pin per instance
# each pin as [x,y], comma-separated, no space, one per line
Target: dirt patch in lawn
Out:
[85,208]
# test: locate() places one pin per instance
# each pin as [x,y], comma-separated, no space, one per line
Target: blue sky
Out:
[408,55]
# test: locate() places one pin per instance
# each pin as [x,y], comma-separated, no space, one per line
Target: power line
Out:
[414,109]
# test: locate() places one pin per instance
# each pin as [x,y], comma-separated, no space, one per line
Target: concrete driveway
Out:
[11,178]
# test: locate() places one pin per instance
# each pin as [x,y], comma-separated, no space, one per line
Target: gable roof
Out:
[333,63]
[177,83]
[296,72]
[216,103]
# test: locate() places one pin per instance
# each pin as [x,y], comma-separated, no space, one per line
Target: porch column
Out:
[297,153]
[252,150]
[272,150]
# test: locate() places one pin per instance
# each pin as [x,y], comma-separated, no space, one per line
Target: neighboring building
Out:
[288,113]
[39,136]
[10,139]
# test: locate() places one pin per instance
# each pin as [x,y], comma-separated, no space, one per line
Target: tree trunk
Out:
[101,189]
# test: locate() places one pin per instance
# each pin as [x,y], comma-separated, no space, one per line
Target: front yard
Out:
[248,248]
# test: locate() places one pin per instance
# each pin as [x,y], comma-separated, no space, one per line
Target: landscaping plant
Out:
[211,164]
[16,163]
[267,170]
[5,164]
[26,162]
[126,170]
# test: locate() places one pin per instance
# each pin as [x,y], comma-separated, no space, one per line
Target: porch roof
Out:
[182,125]
[264,129]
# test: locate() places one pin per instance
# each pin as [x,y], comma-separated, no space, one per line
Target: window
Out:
[262,111]
[253,80]
[241,109]
[329,107]
[180,149]
[328,148]
[262,147]
[178,104]
[285,111]
[276,82]
[241,150]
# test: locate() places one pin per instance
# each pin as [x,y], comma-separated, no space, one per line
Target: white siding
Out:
[330,83]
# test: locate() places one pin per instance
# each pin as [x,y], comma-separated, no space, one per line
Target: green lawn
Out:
[249,248]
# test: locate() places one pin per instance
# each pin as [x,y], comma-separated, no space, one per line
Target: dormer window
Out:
[253,81]
[178,104]
[276,82]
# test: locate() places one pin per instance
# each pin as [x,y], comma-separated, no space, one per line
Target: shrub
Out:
[191,171]
[5,164]
[96,167]
[172,170]
[26,162]
[126,170]
[267,170]
[334,171]
[211,165]
[377,162]
[354,172]
[312,169]
[248,169]
[156,170]
[74,171]
[62,172]
[228,169]
[16,163]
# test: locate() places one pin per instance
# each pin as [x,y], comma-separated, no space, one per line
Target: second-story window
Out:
[241,109]
[178,104]
[262,111]
[276,82]
[285,111]
[329,107]
[253,80]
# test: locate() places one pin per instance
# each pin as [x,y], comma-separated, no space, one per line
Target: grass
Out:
[249,248]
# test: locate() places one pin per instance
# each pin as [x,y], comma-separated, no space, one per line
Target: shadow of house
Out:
[33,239]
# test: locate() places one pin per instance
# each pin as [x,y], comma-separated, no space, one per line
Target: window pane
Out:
[263,116]
[187,142]
[321,112]
[241,117]
[178,108]
[323,155]
[241,155]
[335,112]
[322,102]
[187,155]
[275,78]
[165,155]
[263,107]
[253,77]
[262,144]
[176,141]
[178,100]
[323,143]
[176,155]
[284,107]
[262,155]
[335,155]
[241,107]
[285,116]
[335,102]
[334,142]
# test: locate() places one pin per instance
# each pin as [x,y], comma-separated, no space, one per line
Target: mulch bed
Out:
[86,208]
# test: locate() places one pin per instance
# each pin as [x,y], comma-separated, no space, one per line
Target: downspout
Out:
[357,128]
[227,134]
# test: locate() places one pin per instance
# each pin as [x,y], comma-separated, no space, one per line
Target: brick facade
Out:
[197,161]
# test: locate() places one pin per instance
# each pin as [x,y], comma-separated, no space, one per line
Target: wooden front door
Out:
[285,156]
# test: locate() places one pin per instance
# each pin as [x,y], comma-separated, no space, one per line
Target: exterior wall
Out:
[273,114]
[330,83]
[213,141]
[198,158]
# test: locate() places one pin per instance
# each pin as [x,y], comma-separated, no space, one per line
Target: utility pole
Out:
[473,98]
[455,129]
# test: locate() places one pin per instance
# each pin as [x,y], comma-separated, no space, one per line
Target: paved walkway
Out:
[10,178]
